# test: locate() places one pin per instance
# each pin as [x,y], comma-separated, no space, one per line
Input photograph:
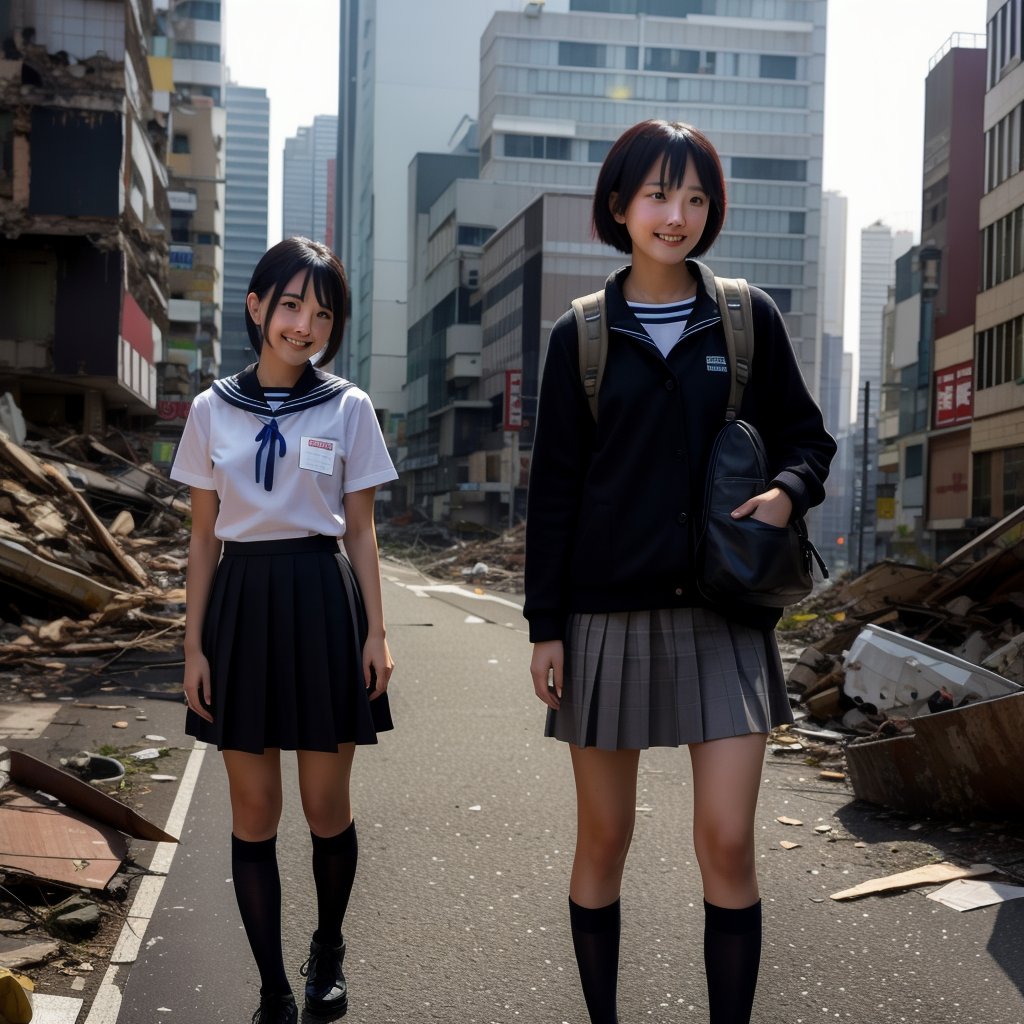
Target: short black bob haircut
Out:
[630,160]
[279,264]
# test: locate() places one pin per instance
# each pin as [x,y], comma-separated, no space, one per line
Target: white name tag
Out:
[317,454]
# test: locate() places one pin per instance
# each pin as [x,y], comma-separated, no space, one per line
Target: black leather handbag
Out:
[746,560]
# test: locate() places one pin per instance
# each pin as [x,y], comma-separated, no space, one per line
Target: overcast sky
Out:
[877,60]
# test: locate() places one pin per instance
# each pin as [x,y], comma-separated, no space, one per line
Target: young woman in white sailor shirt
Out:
[285,645]
[627,654]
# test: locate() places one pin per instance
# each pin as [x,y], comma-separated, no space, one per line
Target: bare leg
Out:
[605,812]
[727,775]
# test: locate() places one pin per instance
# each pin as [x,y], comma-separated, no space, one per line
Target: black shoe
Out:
[326,987]
[276,1009]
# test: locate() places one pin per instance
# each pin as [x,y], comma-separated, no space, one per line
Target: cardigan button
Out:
[681,518]
[679,591]
[678,453]
[670,385]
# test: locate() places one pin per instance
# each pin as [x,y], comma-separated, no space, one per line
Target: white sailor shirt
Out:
[282,468]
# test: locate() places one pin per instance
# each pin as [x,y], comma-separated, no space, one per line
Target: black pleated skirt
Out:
[667,677]
[284,634]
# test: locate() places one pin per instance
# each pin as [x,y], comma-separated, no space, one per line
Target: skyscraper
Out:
[557,88]
[879,250]
[308,162]
[245,218]
[409,73]
[830,526]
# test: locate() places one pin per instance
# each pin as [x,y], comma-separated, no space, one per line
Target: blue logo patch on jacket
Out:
[717,364]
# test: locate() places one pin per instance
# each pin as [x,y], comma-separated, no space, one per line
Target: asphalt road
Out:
[466,826]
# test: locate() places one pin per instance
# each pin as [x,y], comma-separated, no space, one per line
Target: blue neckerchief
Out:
[266,438]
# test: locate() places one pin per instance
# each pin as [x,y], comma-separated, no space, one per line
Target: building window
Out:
[1004,148]
[680,62]
[796,222]
[537,147]
[582,55]
[6,150]
[913,460]
[1013,478]
[769,169]
[485,151]
[197,51]
[597,150]
[181,226]
[782,297]
[981,491]
[471,234]
[778,67]
[180,143]
[999,357]
[1003,40]
[198,10]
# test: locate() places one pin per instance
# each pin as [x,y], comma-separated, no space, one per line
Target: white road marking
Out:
[107,1004]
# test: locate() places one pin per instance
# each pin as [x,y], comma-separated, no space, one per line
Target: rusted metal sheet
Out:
[965,761]
[42,840]
[30,772]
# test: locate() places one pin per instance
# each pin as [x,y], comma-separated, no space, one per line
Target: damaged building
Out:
[83,212]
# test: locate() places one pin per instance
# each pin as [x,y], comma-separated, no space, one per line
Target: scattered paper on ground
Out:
[968,893]
[783,820]
[932,874]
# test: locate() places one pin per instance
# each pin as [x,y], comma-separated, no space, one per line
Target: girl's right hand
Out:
[197,684]
[546,669]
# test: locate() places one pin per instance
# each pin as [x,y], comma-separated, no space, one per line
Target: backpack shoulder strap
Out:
[592,335]
[738,324]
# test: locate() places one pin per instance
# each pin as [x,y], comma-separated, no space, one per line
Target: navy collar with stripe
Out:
[244,391]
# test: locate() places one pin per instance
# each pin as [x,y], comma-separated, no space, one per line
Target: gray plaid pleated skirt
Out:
[666,678]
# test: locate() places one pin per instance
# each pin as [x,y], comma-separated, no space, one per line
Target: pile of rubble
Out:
[462,552]
[892,650]
[90,537]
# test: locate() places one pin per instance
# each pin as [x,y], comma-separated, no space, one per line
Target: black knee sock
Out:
[732,954]
[258,891]
[595,938]
[334,870]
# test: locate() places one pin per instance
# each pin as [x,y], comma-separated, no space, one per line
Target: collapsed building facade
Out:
[83,213]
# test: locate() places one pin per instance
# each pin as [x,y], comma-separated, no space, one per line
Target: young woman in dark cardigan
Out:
[627,654]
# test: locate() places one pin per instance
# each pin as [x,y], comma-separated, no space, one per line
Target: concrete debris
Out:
[890,652]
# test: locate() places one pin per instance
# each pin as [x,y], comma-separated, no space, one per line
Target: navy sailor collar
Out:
[244,391]
[314,387]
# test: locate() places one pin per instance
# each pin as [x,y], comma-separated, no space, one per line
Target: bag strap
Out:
[592,337]
[733,296]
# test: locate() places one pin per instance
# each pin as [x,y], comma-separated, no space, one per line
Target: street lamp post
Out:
[863,480]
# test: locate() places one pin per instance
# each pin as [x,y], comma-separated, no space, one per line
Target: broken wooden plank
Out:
[930,874]
[131,569]
[983,539]
[23,460]
[19,564]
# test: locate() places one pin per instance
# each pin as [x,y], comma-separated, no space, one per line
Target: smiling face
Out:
[665,221]
[299,328]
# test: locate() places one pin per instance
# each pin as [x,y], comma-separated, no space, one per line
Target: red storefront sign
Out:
[513,399]
[954,395]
